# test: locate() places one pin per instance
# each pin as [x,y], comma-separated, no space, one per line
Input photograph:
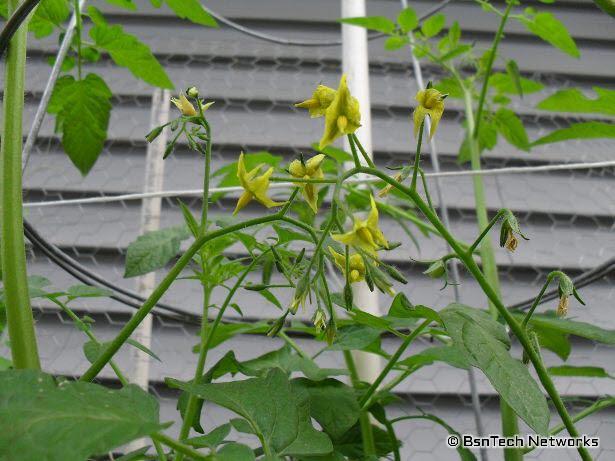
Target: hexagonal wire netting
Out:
[568,215]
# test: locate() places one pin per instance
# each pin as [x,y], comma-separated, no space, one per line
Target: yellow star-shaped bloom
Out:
[365,234]
[343,115]
[355,263]
[184,106]
[308,170]
[431,102]
[255,187]
[319,102]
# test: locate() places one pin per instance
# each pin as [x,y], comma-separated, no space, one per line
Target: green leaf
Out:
[353,337]
[456,317]
[511,127]
[456,52]
[513,72]
[407,19]
[447,354]
[211,439]
[351,444]
[287,234]
[504,83]
[585,372]
[193,11]
[71,421]
[572,100]
[126,4]
[554,341]
[377,23]
[572,327]
[551,30]
[93,349]
[235,452]
[49,15]
[583,130]
[395,42]
[87,291]
[153,250]
[127,51]
[402,308]
[510,378]
[82,109]
[433,25]
[332,404]
[279,414]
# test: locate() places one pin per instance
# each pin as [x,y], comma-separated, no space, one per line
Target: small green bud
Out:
[330,332]
[394,273]
[149,137]
[193,92]
[436,269]
[277,326]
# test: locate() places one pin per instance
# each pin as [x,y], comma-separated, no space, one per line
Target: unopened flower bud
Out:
[193,92]
[320,319]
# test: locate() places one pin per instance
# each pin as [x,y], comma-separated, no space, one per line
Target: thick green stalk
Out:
[491,294]
[180,447]
[24,349]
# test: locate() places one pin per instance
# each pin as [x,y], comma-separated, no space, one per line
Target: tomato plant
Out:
[325,221]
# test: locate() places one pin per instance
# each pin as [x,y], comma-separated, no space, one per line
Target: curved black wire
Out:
[306,43]
[13,23]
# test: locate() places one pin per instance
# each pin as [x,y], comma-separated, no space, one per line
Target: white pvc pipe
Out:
[355,63]
[150,221]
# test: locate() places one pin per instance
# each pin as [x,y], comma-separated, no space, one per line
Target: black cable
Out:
[306,43]
[13,23]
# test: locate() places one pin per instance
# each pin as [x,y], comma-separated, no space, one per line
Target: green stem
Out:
[364,153]
[292,343]
[536,302]
[164,285]
[180,447]
[367,435]
[417,157]
[20,323]
[353,149]
[159,450]
[491,294]
[78,29]
[485,231]
[206,175]
[366,399]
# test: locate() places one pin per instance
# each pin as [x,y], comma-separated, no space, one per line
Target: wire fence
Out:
[561,193]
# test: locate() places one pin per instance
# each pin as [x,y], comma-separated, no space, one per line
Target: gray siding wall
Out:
[567,215]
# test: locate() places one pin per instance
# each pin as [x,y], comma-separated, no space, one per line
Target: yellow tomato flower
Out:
[355,263]
[431,102]
[319,102]
[365,234]
[342,116]
[255,187]
[185,106]
[308,170]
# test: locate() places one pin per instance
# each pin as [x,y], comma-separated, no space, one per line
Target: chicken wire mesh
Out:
[568,215]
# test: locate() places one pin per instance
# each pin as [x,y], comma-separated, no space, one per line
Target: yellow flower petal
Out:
[319,102]
[185,107]
[431,102]
[343,115]
[255,186]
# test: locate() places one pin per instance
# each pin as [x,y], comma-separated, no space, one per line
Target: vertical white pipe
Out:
[355,63]
[150,221]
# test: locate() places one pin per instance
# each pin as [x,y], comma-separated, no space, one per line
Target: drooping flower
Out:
[365,234]
[255,187]
[562,306]
[511,242]
[355,263]
[431,102]
[308,170]
[343,115]
[319,319]
[319,102]
[184,106]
